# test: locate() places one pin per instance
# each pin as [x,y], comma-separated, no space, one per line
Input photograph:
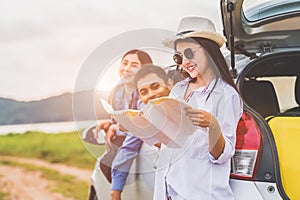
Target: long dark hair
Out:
[142,56]
[221,70]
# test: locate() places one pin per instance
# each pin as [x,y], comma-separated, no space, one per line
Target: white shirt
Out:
[192,172]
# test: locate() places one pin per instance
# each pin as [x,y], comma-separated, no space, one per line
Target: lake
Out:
[55,127]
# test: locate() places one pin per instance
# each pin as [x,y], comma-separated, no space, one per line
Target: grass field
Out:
[67,185]
[3,196]
[64,148]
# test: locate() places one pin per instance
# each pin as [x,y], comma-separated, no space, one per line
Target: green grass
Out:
[64,148]
[64,184]
[3,196]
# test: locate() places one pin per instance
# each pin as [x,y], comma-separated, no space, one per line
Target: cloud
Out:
[46,42]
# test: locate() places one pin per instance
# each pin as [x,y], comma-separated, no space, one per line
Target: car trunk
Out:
[270,87]
[268,33]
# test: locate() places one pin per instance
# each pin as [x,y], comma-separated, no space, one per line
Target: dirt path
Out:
[27,185]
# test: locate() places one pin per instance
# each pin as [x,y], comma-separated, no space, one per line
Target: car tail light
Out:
[247,149]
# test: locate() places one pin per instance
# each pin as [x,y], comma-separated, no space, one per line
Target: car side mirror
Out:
[88,135]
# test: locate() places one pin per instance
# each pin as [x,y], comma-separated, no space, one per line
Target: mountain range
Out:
[83,105]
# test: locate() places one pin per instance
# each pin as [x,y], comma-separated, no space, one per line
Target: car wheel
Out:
[93,195]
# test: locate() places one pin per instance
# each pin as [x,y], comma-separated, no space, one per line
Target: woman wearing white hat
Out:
[201,169]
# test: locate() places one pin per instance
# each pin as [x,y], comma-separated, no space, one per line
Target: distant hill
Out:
[53,109]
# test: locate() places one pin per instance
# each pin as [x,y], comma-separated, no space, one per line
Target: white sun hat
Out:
[196,27]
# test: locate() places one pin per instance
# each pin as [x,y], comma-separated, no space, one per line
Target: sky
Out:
[45,43]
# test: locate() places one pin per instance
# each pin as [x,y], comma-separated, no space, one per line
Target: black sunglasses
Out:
[188,53]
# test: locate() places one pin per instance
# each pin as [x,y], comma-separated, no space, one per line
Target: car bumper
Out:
[251,190]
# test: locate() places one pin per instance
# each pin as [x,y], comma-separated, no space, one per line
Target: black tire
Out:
[92,194]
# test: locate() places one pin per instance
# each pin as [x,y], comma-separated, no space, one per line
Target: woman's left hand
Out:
[205,119]
[200,117]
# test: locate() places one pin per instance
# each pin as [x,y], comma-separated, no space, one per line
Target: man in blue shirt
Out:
[151,82]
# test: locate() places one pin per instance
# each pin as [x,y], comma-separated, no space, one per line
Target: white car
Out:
[266,165]
[139,184]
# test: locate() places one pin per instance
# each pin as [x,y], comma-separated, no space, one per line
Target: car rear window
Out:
[256,10]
